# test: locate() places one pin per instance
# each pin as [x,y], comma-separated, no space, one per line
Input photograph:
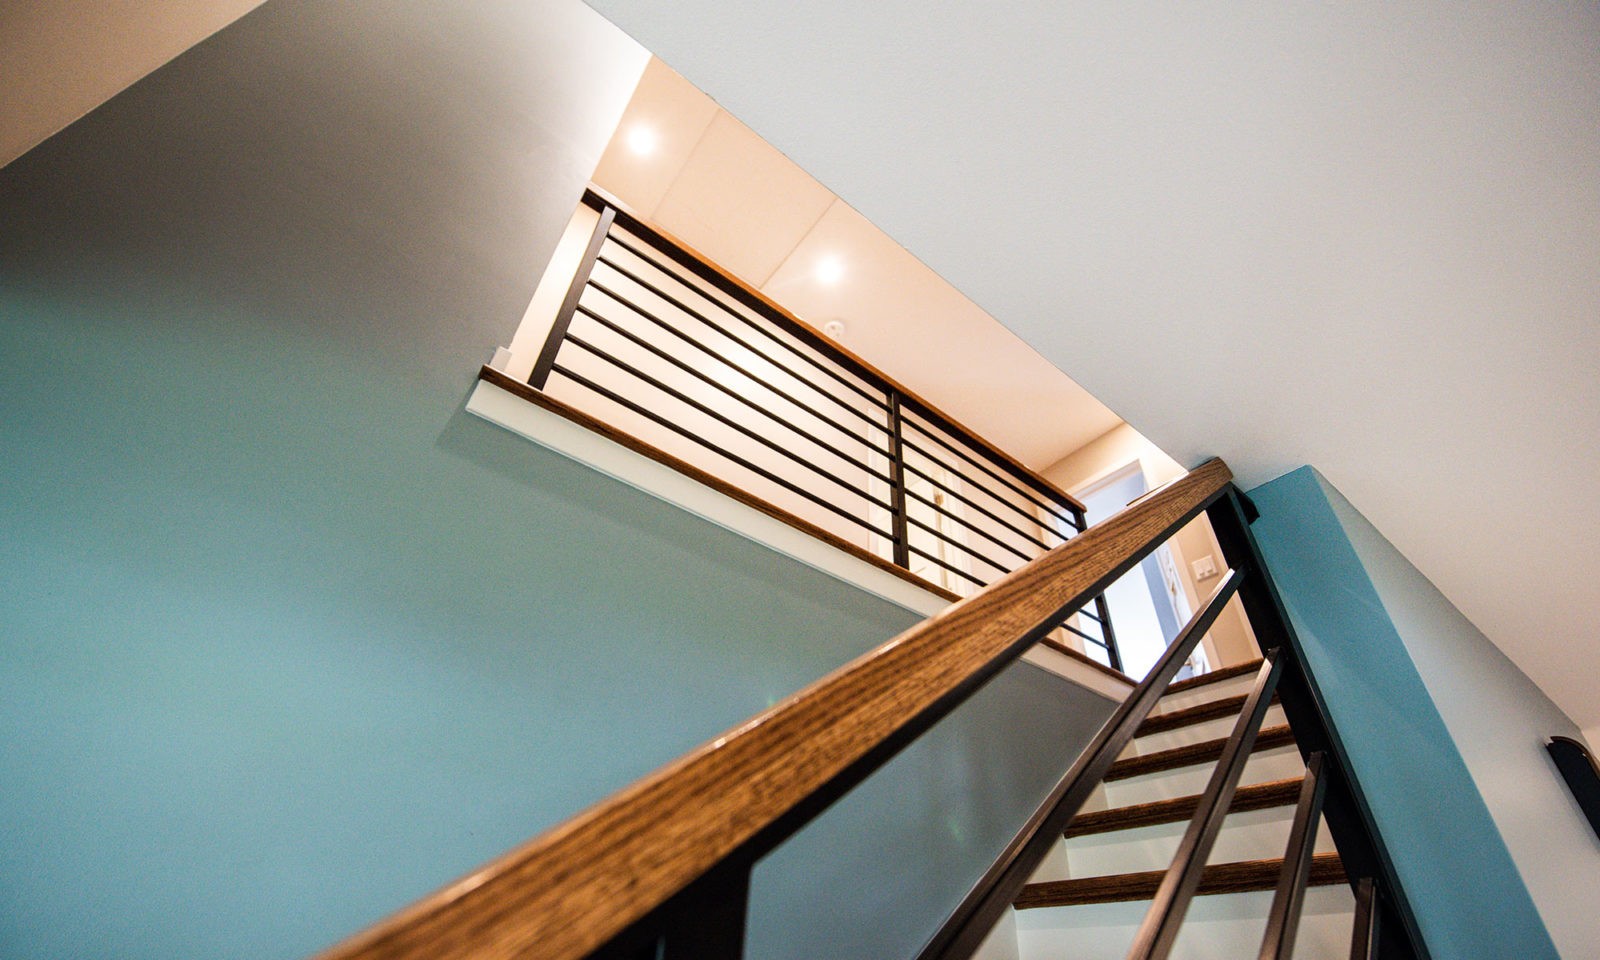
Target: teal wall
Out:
[288,638]
[1500,721]
[1469,898]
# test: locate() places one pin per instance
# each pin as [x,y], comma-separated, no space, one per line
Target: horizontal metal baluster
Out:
[978,484]
[844,381]
[722,418]
[654,417]
[1283,919]
[754,377]
[1092,639]
[1159,931]
[938,535]
[955,570]
[945,511]
[1037,498]
[910,468]
[747,401]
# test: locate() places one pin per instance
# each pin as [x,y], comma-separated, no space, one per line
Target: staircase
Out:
[662,869]
[1089,896]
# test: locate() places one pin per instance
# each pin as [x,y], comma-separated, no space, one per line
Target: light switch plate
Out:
[1204,569]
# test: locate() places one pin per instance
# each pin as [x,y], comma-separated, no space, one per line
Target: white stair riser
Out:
[1275,763]
[1196,733]
[1251,835]
[1222,927]
[1237,686]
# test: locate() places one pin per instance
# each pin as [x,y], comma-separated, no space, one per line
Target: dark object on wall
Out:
[1578,768]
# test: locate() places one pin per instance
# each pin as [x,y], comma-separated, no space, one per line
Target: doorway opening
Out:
[1148,606]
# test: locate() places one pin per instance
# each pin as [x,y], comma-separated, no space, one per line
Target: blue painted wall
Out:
[1468,896]
[288,639]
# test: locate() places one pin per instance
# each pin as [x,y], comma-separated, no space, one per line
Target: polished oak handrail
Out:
[571,891]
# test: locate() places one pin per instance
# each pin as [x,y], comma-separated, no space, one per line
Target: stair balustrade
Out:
[661,869]
[661,349]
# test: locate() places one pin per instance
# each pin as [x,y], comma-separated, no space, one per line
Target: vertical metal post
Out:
[1103,611]
[569,305]
[897,483]
[1348,818]
[1101,608]
[709,924]
[1283,919]
[1364,932]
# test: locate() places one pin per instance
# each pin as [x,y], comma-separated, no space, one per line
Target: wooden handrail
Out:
[572,890]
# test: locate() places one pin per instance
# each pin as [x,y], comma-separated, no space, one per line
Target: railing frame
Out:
[1283,917]
[1345,810]
[616,881]
[964,454]
[661,870]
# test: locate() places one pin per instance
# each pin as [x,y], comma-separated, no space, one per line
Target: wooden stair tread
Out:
[1238,877]
[1189,716]
[1258,796]
[1215,676]
[1192,754]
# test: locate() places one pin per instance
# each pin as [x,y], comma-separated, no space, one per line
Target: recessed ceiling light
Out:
[642,140]
[829,270]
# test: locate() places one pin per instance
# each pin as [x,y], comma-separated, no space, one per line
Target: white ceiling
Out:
[712,182]
[1362,236]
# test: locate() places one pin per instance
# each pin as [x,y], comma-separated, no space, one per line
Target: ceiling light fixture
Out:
[829,271]
[642,140]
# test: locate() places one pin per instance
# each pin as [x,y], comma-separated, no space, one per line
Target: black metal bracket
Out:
[1582,773]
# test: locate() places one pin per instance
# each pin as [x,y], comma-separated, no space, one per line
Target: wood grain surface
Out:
[568,892]
[1216,676]
[1204,752]
[1199,713]
[1241,876]
[1256,796]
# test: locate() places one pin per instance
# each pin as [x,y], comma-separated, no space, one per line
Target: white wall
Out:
[1230,640]
[1358,235]
[1500,721]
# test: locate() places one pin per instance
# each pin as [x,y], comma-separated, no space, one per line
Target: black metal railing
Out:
[1329,789]
[659,344]
[662,869]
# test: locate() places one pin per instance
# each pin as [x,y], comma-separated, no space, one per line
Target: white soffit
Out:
[916,327]
[1363,237]
[691,168]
